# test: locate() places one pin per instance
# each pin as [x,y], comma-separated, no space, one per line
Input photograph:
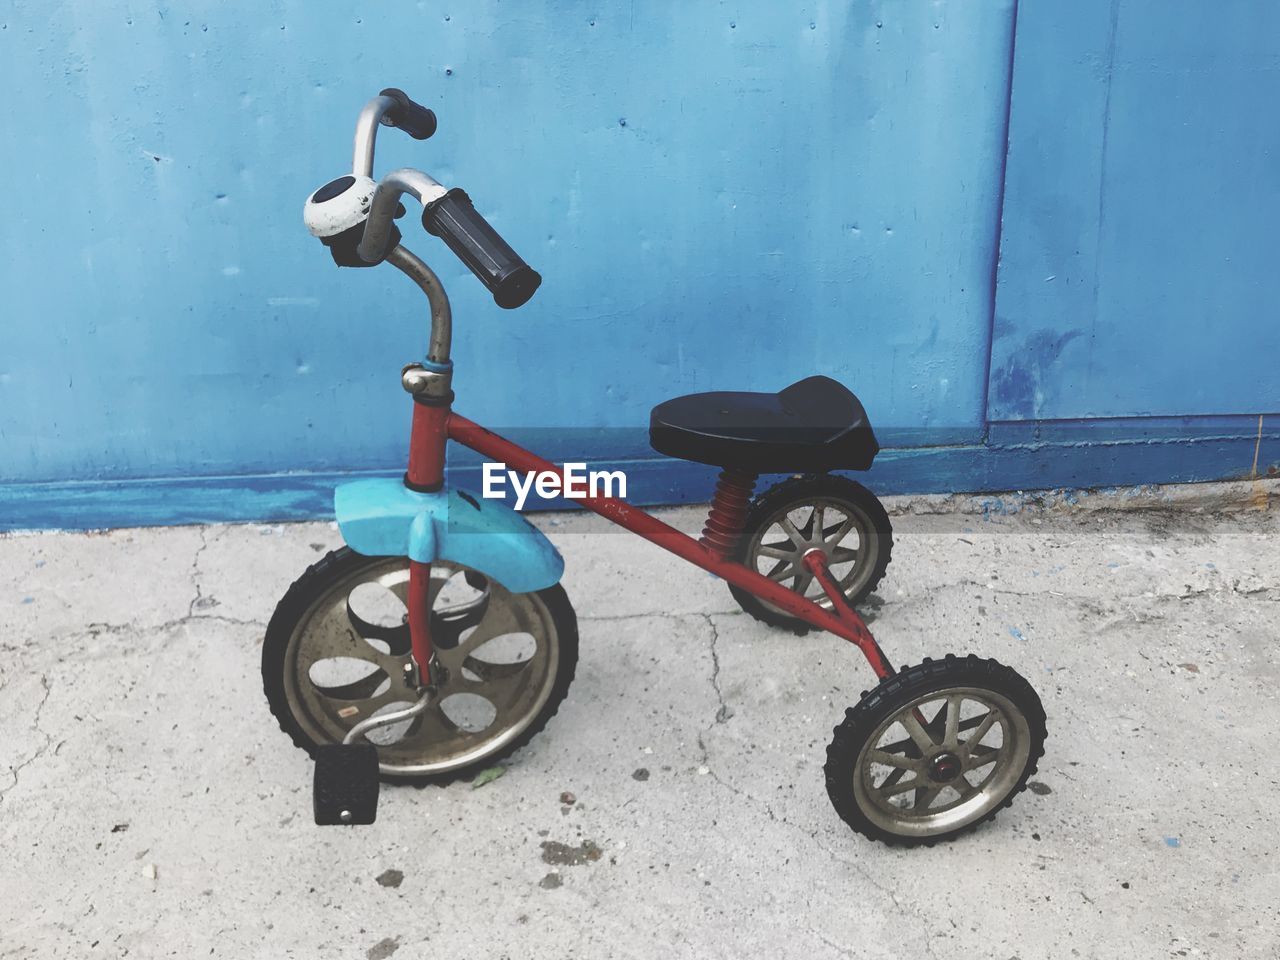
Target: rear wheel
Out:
[338,644]
[935,750]
[834,514]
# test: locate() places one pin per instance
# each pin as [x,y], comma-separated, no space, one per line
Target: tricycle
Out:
[439,640]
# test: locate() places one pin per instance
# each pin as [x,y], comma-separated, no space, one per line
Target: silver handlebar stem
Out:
[441,314]
[367,134]
[377,228]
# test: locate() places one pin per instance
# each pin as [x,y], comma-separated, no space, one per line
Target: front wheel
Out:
[935,750]
[337,648]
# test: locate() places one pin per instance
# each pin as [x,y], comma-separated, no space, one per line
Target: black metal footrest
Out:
[346,784]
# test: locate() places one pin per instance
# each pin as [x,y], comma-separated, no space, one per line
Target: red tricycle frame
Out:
[434,423]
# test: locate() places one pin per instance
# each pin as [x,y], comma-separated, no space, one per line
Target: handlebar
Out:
[386,201]
[391,108]
[413,118]
[447,214]
[454,220]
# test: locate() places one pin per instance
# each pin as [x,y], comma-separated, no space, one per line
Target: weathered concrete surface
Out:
[149,807]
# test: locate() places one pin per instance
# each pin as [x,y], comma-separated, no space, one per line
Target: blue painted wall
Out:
[720,195]
[1138,274]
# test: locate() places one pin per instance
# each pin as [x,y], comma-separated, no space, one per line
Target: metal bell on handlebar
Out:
[336,214]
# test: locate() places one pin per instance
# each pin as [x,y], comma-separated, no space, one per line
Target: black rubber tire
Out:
[894,694]
[800,490]
[338,564]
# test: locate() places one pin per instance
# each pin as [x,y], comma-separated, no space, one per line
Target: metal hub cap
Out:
[843,534]
[944,768]
[347,661]
[945,760]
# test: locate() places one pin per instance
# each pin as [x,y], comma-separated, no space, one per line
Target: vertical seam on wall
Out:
[1102,180]
[1257,448]
[999,231]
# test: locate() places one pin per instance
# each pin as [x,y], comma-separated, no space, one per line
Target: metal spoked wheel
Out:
[935,750]
[833,514]
[337,650]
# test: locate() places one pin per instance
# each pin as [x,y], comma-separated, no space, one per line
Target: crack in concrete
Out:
[121,629]
[222,618]
[195,572]
[723,714]
[1261,594]
[41,750]
[838,948]
[116,629]
[725,711]
[618,618]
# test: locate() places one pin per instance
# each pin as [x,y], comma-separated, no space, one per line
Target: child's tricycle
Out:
[438,641]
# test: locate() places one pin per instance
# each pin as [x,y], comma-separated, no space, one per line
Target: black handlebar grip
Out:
[413,118]
[454,220]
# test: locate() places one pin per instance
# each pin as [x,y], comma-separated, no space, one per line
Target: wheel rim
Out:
[495,663]
[836,527]
[946,759]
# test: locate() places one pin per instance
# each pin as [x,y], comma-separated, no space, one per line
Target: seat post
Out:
[728,511]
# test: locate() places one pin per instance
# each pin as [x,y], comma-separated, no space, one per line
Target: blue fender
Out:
[384,518]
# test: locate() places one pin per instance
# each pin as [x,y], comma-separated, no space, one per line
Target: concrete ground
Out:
[150,807]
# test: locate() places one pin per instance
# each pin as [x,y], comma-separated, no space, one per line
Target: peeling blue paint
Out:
[1019,381]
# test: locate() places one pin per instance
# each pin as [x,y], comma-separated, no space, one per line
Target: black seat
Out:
[814,425]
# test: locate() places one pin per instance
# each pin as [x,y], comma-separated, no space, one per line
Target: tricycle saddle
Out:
[814,425]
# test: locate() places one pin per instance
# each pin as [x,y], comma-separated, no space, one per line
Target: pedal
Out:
[346,784]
